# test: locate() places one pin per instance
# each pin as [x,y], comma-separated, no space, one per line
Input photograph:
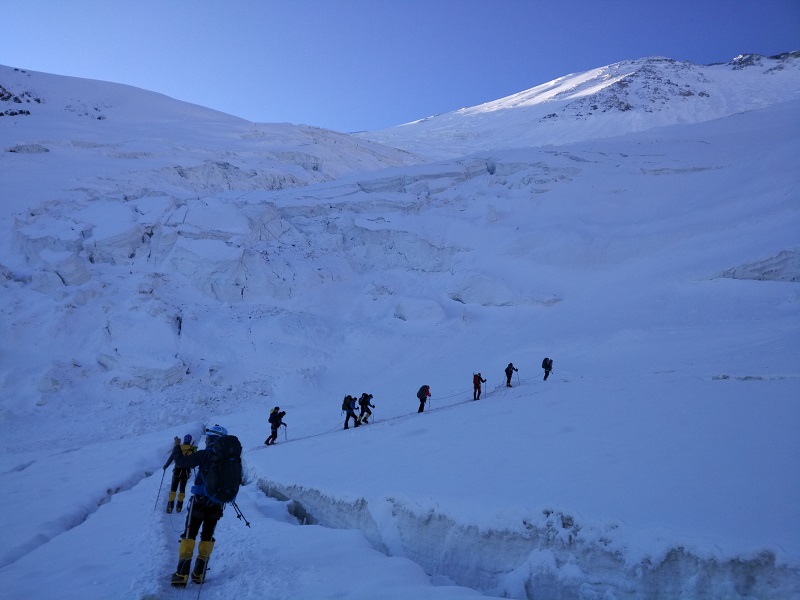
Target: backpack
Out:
[346,403]
[422,394]
[222,471]
[187,449]
[547,364]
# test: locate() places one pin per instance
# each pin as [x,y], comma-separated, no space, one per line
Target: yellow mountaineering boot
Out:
[181,575]
[201,564]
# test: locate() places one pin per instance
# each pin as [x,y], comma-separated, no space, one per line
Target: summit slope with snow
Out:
[165,267]
[624,97]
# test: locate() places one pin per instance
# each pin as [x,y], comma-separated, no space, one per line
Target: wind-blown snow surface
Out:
[658,269]
[625,97]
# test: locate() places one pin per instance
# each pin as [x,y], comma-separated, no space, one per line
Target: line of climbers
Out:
[477,378]
[547,365]
[350,405]
[219,476]
[424,392]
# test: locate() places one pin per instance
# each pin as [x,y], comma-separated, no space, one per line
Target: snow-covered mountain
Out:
[628,96]
[167,266]
[107,139]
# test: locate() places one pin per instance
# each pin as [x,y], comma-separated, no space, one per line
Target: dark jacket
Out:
[276,418]
[198,459]
[190,461]
[364,401]
[181,450]
[510,369]
[423,393]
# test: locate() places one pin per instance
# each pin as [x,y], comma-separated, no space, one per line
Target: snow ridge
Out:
[628,96]
[556,557]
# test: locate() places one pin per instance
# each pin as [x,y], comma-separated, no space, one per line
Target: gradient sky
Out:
[355,65]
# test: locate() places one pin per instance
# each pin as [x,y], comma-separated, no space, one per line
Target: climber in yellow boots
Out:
[179,476]
[217,483]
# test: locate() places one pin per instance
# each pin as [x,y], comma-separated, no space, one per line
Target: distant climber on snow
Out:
[349,405]
[218,479]
[476,386]
[422,395]
[364,403]
[509,372]
[547,365]
[275,421]
[179,476]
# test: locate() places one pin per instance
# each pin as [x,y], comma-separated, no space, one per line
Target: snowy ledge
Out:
[553,557]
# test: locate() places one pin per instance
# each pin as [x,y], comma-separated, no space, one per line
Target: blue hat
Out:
[187,439]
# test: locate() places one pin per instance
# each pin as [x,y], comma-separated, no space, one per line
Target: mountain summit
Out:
[624,97]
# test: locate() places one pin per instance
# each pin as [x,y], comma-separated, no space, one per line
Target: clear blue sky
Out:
[354,65]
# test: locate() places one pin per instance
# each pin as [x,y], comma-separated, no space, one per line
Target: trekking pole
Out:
[203,580]
[285,435]
[517,376]
[159,488]
[239,514]
[205,569]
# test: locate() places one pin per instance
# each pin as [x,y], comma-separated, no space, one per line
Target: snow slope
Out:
[659,269]
[111,140]
[628,96]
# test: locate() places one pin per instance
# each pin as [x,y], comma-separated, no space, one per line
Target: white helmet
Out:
[216,430]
